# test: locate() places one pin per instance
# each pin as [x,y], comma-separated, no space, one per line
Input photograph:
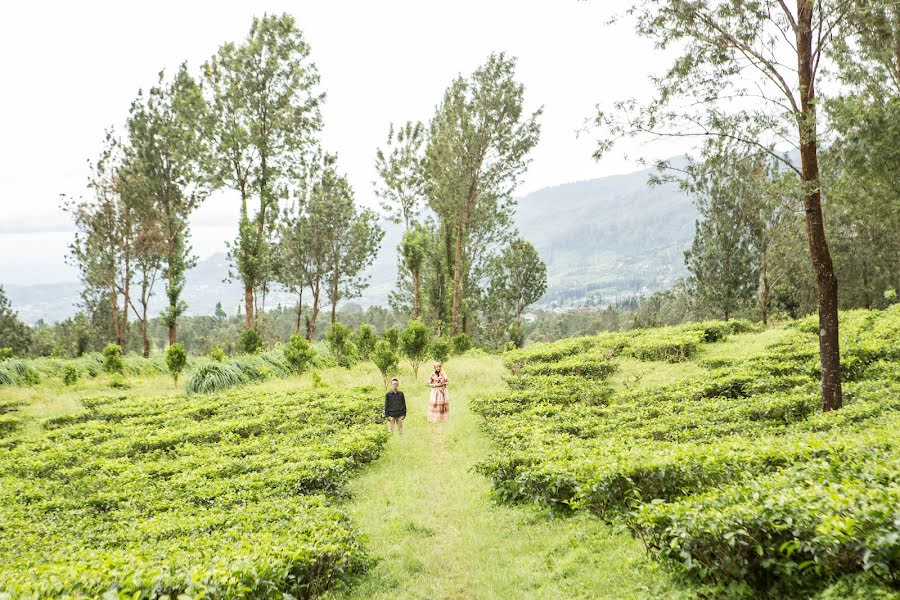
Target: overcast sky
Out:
[71,69]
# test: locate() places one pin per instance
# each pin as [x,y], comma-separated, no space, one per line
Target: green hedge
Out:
[227,496]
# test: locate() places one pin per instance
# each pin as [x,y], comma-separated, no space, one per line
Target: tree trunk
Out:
[145,339]
[764,293]
[333,311]
[826,281]
[457,282]
[867,298]
[299,312]
[314,314]
[115,315]
[248,307]
[416,294]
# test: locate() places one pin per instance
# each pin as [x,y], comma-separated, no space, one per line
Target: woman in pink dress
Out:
[439,402]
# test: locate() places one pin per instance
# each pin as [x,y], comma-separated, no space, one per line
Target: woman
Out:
[439,402]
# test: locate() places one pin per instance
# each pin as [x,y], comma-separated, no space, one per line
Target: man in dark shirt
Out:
[394,407]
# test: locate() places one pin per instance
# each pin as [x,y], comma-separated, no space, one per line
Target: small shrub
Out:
[317,380]
[6,353]
[365,340]
[217,354]
[440,349]
[414,344]
[70,375]
[176,360]
[118,382]
[298,353]
[392,336]
[343,350]
[112,359]
[461,343]
[250,342]
[385,359]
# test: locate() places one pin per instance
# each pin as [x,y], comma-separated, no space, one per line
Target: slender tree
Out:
[264,120]
[164,156]
[748,71]
[401,169]
[479,140]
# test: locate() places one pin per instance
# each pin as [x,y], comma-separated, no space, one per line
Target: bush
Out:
[18,372]
[250,342]
[217,354]
[392,336]
[6,353]
[461,343]
[385,359]
[117,382]
[214,377]
[298,353]
[70,375]
[343,350]
[414,344]
[176,360]
[112,359]
[440,349]
[365,340]
[246,485]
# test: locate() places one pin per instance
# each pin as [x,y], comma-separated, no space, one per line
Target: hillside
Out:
[614,236]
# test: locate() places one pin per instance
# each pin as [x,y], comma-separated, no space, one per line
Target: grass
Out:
[428,520]
[436,531]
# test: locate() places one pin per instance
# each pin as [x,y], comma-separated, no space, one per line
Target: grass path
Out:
[435,531]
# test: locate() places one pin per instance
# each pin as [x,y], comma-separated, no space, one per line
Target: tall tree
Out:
[748,71]
[523,276]
[264,120]
[479,140]
[401,169]
[164,155]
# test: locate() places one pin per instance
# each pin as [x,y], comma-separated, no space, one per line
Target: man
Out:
[394,407]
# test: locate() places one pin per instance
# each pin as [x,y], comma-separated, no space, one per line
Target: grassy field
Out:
[423,518]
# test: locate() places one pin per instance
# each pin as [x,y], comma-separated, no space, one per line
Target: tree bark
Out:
[248,307]
[145,339]
[457,281]
[333,311]
[314,314]
[826,281]
[114,299]
[416,294]
[764,293]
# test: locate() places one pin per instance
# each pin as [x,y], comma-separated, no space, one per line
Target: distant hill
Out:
[615,237]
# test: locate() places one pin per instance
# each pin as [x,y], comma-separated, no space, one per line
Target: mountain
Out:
[615,237]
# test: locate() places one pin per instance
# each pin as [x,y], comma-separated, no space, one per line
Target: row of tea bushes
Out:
[229,495]
[727,474]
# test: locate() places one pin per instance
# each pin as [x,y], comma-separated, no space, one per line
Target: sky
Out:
[71,69]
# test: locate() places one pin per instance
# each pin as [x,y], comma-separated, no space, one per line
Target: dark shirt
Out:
[394,404]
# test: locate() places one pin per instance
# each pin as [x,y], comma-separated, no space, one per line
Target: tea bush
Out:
[233,495]
[733,475]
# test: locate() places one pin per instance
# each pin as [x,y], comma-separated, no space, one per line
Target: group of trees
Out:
[249,122]
[462,268]
[750,80]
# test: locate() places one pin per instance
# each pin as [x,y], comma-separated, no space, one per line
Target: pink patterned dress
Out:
[439,401]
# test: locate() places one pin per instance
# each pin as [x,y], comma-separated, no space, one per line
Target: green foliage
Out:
[392,336]
[414,344]
[176,360]
[245,485]
[214,377]
[461,343]
[6,353]
[18,372]
[342,349]
[385,359]
[733,475]
[439,349]
[217,354]
[70,374]
[112,359]
[250,342]
[365,340]
[117,382]
[299,353]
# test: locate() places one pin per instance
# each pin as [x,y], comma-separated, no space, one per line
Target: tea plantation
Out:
[231,495]
[728,471]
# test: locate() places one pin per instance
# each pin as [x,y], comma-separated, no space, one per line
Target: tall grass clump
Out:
[214,377]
